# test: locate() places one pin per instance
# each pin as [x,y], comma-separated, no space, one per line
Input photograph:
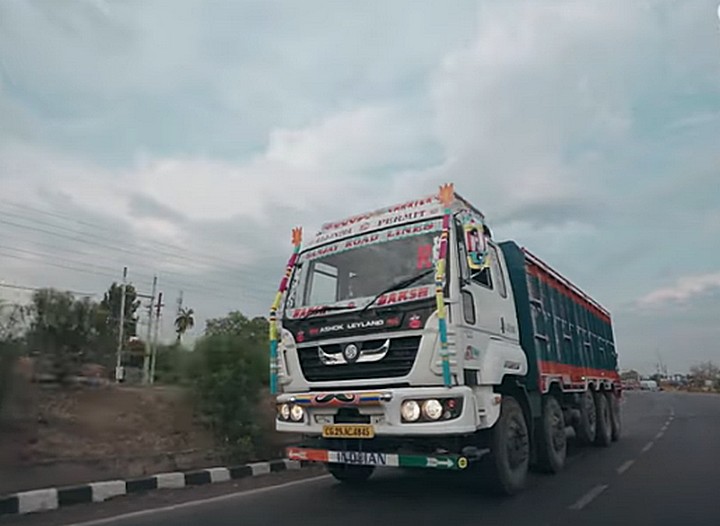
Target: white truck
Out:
[407,337]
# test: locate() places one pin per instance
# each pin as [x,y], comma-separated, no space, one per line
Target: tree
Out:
[110,310]
[237,323]
[12,328]
[184,321]
[705,372]
[12,321]
[231,368]
[62,330]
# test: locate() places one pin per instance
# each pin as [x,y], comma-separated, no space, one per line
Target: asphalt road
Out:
[665,470]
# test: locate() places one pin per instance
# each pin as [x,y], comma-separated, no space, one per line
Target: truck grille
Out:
[397,362]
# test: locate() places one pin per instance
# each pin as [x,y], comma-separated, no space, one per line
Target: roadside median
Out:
[52,498]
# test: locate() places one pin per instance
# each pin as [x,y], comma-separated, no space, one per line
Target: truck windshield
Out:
[357,269]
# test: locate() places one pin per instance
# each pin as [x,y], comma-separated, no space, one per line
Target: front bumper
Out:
[372,458]
[381,409]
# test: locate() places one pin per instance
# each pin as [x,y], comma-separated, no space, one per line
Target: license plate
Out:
[348,431]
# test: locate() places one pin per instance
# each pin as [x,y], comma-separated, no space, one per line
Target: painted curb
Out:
[47,499]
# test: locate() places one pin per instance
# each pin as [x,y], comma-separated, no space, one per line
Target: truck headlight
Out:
[297,413]
[410,411]
[432,409]
[284,411]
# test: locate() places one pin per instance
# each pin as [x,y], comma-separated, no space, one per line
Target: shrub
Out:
[229,373]
[9,351]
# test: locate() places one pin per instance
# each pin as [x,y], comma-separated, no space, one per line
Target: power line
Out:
[101,227]
[118,248]
[183,250]
[222,286]
[110,273]
[35,289]
[135,262]
[99,240]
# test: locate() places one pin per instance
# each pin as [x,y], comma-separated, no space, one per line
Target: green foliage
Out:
[61,330]
[236,323]
[175,365]
[109,311]
[231,369]
[65,331]
[12,344]
[9,351]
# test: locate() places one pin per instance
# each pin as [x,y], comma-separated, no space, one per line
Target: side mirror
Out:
[476,246]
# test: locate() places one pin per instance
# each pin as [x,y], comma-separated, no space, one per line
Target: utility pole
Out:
[121,329]
[153,357]
[146,360]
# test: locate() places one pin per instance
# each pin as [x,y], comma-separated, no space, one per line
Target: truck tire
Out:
[603,436]
[587,425]
[509,449]
[350,474]
[616,417]
[552,441]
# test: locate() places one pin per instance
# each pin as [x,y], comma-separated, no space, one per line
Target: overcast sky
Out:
[187,138]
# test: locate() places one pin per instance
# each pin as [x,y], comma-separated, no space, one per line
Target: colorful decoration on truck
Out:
[342,399]
[475,243]
[370,458]
[446,196]
[274,366]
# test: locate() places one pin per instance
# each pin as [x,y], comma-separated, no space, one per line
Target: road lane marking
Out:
[659,435]
[588,497]
[647,447]
[622,469]
[199,502]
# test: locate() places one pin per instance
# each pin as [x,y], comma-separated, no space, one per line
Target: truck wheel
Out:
[552,442]
[350,474]
[615,416]
[510,449]
[604,420]
[587,426]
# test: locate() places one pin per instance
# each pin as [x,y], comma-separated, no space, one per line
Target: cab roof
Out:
[427,207]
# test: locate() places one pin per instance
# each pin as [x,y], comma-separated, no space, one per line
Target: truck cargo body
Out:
[566,335]
[380,364]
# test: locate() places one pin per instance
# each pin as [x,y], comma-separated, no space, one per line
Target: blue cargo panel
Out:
[564,333]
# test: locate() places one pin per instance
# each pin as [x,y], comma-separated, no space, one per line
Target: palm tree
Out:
[185,320]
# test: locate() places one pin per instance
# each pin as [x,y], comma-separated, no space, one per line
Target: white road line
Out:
[659,435]
[588,497]
[201,502]
[647,447]
[622,469]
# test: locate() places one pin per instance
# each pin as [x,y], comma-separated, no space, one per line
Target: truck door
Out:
[486,306]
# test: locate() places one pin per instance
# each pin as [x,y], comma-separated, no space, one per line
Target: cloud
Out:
[194,139]
[684,290]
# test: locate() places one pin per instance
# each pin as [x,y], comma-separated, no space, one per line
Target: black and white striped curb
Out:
[53,498]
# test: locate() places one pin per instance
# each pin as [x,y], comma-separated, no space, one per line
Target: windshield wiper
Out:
[397,286]
[326,308]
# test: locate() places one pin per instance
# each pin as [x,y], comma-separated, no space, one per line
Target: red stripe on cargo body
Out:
[577,372]
[536,271]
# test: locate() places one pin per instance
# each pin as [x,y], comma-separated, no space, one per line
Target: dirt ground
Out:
[62,436]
